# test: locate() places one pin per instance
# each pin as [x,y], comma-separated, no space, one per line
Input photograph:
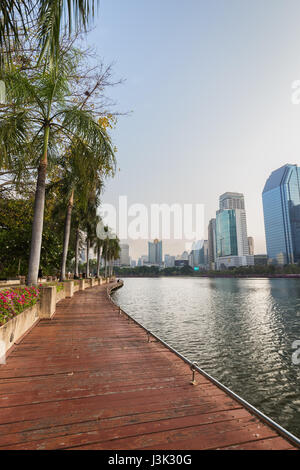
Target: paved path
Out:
[87,379]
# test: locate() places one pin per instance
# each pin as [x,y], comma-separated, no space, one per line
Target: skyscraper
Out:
[281,203]
[251,245]
[155,252]
[194,256]
[231,232]
[212,249]
[203,255]
[232,201]
[169,261]
[124,255]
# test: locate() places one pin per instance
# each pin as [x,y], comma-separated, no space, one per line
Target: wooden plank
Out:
[89,379]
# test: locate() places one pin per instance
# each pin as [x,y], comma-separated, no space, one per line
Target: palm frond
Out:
[55,16]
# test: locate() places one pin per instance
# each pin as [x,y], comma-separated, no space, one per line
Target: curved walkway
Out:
[88,379]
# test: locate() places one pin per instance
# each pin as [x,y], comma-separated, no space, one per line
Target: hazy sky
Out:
[209,86]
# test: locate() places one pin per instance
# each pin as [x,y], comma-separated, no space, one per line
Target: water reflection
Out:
[239,330]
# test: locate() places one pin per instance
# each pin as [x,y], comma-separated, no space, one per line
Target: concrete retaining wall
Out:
[15,328]
[60,295]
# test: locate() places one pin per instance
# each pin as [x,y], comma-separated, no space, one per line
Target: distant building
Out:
[194,256]
[185,255]
[180,263]
[169,261]
[124,255]
[281,204]
[212,244]
[203,255]
[231,232]
[155,252]
[143,260]
[232,201]
[260,260]
[133,263]
[251,245]
[235,261]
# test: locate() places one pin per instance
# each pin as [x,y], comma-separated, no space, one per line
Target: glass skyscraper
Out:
[226,233]
[155,252]
[281,203]
[231,232]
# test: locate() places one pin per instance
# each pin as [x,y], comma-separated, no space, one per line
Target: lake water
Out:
[240,331]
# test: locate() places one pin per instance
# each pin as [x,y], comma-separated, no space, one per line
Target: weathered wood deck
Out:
[88,379]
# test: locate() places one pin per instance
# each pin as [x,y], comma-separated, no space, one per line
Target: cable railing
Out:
[195,368]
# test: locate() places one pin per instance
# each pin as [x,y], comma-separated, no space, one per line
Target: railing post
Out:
[81,284]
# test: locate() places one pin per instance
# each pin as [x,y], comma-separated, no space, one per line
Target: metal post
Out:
[193,369]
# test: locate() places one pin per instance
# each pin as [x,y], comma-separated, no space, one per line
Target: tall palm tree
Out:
[98,249]
[115,251]
[111,251]
[105,249]
[40,116]
[91,220]
[78,240]
[83,170]
[52,18]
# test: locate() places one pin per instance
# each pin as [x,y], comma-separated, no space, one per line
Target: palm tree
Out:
[83,169]
[111,251]
[91,220]
[115,251]
[52,18]
[98,248]
[41,116]
[105,249]
[78,240]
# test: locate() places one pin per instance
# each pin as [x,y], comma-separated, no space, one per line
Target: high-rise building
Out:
[155,252]
[185,256]
[203,255]
[169,261]
[124,255]
[251,245]
[194,256]
[232,201]
[281,203]
[142,260]
[231,232]
[212,243]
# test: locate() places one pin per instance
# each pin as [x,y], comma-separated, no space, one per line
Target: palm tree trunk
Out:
[77,253]
[98,260]
[67,229]
[38,217]
[112,267]
[87,258]
[105,269]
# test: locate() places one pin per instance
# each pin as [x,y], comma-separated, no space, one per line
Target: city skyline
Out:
[222,119]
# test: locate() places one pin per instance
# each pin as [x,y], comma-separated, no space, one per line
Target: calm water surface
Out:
[240,331]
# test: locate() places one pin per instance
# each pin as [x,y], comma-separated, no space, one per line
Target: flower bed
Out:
[15,301]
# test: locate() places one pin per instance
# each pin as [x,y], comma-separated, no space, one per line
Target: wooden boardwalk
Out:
[88,379]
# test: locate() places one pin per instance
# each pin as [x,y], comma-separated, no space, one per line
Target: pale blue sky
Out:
[209,84]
